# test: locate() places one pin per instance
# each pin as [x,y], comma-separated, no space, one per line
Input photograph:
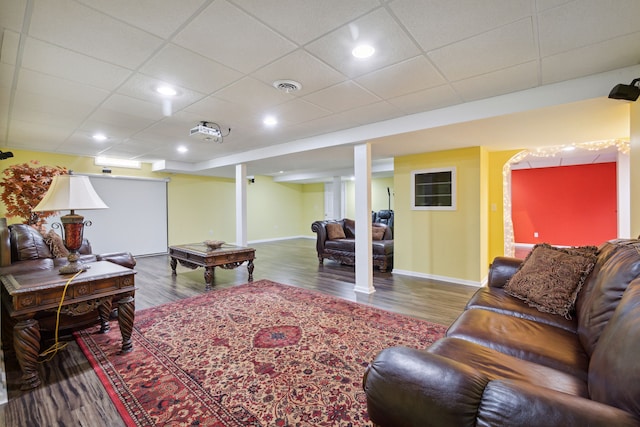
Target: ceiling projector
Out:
[208,131]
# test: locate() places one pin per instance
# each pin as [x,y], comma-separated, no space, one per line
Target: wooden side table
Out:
[26,295]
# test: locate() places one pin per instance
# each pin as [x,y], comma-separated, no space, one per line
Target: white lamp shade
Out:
[70,192]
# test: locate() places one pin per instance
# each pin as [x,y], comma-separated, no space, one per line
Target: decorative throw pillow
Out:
[550,278]
[335,231]
[377,232]
[55,244]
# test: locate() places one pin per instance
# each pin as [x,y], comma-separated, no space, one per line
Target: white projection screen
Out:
[136,220]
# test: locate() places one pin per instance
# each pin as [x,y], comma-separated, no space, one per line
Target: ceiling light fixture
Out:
[182,149]
[209,131]
[99,137]
[166,90]
[628,92]
[363,51]
[270,121]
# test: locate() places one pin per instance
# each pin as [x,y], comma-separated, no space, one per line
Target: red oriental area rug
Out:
[260,354]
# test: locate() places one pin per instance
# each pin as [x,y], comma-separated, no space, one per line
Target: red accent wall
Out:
[568,205]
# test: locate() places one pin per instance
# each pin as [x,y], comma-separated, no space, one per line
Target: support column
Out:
[623,171]
[634,166]
[364,253]
[337,197]
[241,205]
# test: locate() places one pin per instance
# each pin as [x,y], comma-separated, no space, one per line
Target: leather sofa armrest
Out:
[319,227]
[124,259]
[410,387]
[501,270]
[508,402]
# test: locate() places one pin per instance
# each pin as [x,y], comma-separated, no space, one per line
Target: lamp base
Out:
[74,266]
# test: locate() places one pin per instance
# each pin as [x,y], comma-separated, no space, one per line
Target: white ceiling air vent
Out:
[287,86]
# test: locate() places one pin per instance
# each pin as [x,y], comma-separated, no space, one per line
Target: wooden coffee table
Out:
[27,296]
[195,255]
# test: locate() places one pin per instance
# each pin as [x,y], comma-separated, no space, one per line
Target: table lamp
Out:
[71,192]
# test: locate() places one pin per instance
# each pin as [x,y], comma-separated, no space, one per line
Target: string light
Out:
[622,145]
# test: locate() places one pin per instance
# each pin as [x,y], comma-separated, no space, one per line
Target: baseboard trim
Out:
[440,278]
[276,239]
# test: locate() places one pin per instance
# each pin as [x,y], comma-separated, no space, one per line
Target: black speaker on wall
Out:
[628,92]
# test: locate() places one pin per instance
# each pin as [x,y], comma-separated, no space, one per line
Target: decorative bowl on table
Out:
[213,244]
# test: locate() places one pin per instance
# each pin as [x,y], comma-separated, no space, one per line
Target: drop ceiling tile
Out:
[144,87]
[436,23]
[12,15]
[305,20]
[134,107]
[52,111]
[302,67]
[548,4]
[9,45]
[297,111]
[38,138]
[103,119]
[520,77]
[400,79]
[223,112]
[500,48]
[68,24]
[373,113]
[160,19]
[378,29]
[253,92]
[584,22]
[185,68]
[80,142]
[428,99]
[6,78]
[597,58]
[341,97]
[226,34]
[66,91]
[49,59]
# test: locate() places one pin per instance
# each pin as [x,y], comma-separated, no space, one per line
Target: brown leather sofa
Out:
[343,250]
[23,249]
[504,363]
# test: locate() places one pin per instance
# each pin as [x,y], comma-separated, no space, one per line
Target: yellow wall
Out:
[312,207]
[445,244]
[202,208]
[379,196]
[273,209]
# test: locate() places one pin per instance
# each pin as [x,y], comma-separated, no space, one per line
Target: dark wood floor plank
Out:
[73,395]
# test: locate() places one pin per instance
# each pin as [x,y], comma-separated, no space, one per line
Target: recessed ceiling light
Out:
[363,51]
[270,121]
[99,137]
[569,148]
[166,90]
[182,149]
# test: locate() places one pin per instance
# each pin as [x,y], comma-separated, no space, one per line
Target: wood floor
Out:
[73,395]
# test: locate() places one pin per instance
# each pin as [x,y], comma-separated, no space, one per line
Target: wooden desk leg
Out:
[250,270]
[104,311]
[126,314]
[174,263]
[209,274]
[26,342]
